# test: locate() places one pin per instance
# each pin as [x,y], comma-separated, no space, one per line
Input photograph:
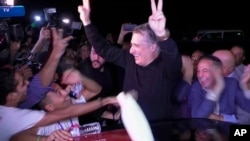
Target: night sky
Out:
[182,16]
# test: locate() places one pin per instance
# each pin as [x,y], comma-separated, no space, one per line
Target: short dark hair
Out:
[216,61]
[7,83]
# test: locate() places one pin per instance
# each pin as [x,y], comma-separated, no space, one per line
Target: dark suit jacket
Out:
[231,97]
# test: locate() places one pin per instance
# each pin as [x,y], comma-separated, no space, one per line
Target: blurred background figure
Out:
[196,55]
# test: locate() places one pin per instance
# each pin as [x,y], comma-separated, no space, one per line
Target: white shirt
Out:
[64,124]
[14,120]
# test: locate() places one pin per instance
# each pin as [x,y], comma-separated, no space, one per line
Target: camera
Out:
[51,17]
[53,20]
[30,62]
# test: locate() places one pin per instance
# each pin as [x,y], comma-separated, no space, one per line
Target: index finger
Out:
[54,32]
[86,3]
[153,6]
[160,5]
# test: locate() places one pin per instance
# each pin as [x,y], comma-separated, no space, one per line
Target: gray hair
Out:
[145,29]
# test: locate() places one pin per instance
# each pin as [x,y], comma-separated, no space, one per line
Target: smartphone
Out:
[76,90]
[129,27]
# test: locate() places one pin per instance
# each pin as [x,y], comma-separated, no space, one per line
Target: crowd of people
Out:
[36,103]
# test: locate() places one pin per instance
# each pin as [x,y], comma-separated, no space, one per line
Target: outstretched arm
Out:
[59,45]
[58,135]
[74,111]
[101,45]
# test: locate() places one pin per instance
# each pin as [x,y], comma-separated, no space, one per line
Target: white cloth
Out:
[134,119]
[14,120]
[64,124]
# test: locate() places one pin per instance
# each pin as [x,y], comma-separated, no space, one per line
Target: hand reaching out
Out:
[157,20]
[220,82]
[60,135]
[59,43]
[245,79]
[44,33]
[84,11]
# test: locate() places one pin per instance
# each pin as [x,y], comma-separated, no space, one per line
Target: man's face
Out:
[205,75]
[21,87]
[239,55]
[141,49]
[84,52]
[196,57]
[59,99]
[97,61]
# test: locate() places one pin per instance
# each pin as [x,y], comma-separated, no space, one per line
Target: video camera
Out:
[53,20]
[28,60]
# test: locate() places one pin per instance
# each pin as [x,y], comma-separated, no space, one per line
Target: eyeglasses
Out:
[195,58]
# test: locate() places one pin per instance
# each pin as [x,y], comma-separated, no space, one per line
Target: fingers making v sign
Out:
[157,21]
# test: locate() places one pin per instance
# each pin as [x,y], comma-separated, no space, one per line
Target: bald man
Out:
[229,70]
[228,63]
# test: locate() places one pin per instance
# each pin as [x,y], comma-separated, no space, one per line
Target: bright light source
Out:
[10,2]
[66,20]
[37,18]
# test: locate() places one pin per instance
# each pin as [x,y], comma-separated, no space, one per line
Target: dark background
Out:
[183,17]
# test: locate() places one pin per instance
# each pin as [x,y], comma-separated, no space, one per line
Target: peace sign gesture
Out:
[157,20]
[84,11]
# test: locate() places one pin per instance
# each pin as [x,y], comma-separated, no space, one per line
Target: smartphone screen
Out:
[129,27]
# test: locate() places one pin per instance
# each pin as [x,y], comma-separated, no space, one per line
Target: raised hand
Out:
[245,79]
[157,20]
[84,11]
[245,82]
[220,82]
[59,43]
[44,33]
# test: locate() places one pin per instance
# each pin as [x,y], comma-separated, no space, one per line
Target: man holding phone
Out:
[152,65]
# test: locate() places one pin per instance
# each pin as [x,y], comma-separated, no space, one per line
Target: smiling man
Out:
[152,65]
[215,96]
